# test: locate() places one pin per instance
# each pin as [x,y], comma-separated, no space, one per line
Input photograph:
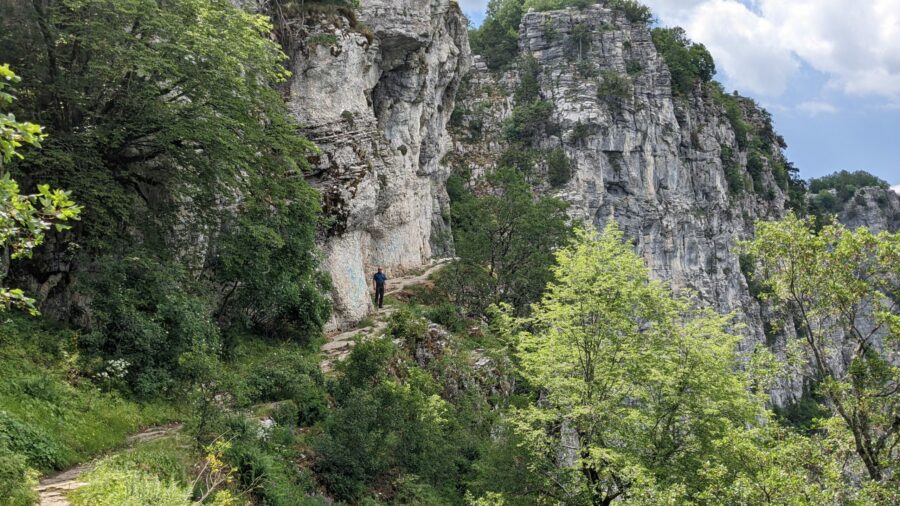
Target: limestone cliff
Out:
[376,96]
[655,162]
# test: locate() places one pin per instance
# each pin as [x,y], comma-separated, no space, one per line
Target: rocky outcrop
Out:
[376,98]
[877,209]
[656,163]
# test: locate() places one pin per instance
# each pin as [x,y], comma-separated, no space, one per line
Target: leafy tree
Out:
[842,289]
[497,40]
[634,11]
[191,166]
[505,238]
[636,386]
[24,219]
[688,62]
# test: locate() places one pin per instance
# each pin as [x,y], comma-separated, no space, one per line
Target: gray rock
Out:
[378,111]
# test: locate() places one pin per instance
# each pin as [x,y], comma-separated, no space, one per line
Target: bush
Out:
[689,63]
[16,479]
[108,486]
[145,317]
[286,414]
[407,326]
[845,184]
[634,11]
[614,90]
[559,167]
[41,450]
[448,316]
[528,121]
[283,374]
[734,176]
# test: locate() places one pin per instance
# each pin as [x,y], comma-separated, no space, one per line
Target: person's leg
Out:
[379,296]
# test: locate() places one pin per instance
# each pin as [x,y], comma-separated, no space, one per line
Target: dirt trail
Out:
[52,489]
[339,345]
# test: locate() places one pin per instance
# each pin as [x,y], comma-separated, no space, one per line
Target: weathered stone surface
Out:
[378,110]
[652,162]
[875,208]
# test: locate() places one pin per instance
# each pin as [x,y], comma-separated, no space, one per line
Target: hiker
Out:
[380,280]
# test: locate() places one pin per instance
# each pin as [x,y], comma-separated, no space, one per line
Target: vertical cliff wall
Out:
[655,162]
[376,96]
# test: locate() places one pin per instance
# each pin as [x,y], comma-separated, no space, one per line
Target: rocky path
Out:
[340,344]
[52,489]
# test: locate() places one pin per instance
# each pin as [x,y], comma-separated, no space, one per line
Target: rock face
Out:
[377,105]
[877,209]
[654,162]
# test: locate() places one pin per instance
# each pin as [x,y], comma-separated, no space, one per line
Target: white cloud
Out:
[760,47]
[896,188]
[815,108]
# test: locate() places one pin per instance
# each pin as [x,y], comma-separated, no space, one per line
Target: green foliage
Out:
[833,280]
[528,89]
[274,287]
[448,316]
[614,90]
[846,183]
[688,62]
[633,10]
[285,373]
[648,381]
[16,479]
[24,219]
[46,420]
[735,116]
[528,122]
[110,485]
[555,5]
[734,174]
[407,327]
[14,134]
[200,218]
[504,239]
[148,319]
[380,426]
[156,472]
[497,40]
[830,194]
[559,167]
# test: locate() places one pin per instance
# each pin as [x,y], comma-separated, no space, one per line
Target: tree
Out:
[505,238]
[841,291]
[24,219]
[636,385]
[688,62]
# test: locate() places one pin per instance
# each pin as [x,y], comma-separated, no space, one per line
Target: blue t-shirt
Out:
[379,278]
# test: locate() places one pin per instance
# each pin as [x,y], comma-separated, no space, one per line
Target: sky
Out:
[827,70]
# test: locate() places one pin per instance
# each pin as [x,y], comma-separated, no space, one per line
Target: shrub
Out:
[528,121]
[407,326]
[634,11]
[689,63]
[286,413]
[734,175]
[614,90]
[448,316]
[108,485]
[559,167]
[16,479]
[144,314]
[40,450]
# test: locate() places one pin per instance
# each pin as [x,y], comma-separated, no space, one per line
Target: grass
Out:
[51,415]
[156,472]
